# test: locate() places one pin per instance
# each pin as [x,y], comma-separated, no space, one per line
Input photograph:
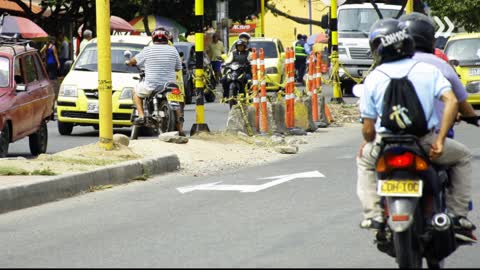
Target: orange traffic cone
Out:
[328,114]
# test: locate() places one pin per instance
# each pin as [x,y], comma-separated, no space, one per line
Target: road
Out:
[304,222]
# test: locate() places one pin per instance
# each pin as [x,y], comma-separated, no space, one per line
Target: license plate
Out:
[174,97]
[475,72]
[400,188]
[92,107]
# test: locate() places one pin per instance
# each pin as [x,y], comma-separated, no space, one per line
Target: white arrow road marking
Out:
[251,188]
[440,25]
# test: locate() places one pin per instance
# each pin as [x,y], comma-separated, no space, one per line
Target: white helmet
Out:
[244,35]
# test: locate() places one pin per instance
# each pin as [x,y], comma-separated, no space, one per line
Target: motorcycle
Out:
[412,191]
[162,108]
[235,76]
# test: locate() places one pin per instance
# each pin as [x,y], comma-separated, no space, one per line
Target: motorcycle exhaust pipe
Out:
[441,222]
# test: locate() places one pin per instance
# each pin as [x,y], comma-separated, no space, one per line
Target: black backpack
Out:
[402,111]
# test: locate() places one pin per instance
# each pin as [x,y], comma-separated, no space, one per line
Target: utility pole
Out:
[262,19]
[200,125]
[104,74]
[337,91]
[409,6]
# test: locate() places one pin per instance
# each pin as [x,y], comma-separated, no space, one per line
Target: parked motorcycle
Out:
[162,109]
[236,79]
[413,198]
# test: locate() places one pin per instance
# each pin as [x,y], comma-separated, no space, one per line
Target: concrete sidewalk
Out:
[17,192]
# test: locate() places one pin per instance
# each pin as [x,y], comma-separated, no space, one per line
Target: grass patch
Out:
[80,161]
[98,188]
[13,171]
[43,172]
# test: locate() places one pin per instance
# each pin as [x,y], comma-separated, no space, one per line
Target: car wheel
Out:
[64,128]
[4,141]
[38,141]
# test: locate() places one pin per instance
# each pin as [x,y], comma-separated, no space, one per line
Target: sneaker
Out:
[375,223]
[139,121]
[464,229]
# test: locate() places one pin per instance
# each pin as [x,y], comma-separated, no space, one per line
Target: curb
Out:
[50,189]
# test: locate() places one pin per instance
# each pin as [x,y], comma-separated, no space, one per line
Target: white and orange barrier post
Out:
[289,95]
[316,88]
[263,95]
[256,100]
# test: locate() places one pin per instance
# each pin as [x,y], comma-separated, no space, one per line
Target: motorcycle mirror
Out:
[127,54]
[358,89]
[453,62]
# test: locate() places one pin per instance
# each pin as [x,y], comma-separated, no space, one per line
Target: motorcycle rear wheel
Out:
[169,122]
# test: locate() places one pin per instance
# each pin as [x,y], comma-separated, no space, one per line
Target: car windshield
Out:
[87,61]
[464,49]
[4,71]
[361,19]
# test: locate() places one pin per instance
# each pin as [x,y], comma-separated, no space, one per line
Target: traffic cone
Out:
[328,113]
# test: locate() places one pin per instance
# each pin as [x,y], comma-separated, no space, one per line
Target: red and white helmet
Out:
[160,35]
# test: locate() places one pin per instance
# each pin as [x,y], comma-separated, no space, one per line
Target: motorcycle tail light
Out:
[400,161]
[176,91]
[400,217]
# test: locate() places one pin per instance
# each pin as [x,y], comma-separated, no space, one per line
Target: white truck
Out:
[354,19]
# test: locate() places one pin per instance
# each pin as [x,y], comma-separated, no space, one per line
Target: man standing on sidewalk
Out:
[300,58]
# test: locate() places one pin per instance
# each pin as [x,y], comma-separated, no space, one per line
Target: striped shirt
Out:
[160,61]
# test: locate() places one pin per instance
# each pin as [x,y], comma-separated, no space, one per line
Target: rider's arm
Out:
[229,58]
[449,113]
[131,62]
[464,107]
[368,129]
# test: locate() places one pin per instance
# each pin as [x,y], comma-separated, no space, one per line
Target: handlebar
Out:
[472,120]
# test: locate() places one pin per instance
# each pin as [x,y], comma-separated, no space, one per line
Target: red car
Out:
[27,97]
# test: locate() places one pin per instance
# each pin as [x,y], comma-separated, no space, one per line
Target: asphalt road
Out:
[305,222]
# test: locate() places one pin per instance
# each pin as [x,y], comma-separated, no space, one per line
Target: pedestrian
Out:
[49,51]
[300,58]
[214,51]
[87,36]
[63,52]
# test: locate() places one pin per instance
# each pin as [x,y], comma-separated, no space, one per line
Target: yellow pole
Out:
[409,6]
[200,125]
[337,92]
[104,74]
[262,18]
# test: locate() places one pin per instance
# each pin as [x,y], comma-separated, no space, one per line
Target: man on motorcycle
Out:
[161,62]
[240,55]
[423,32]
[393,48]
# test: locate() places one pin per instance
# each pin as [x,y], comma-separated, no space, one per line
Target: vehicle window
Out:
[4,72]
[269,48]
[18,71]
[87,60]
[40,71]
[464,49]
[361,19]
[30,69]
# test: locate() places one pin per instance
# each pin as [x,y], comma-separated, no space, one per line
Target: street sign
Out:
[251,188]
[442,27]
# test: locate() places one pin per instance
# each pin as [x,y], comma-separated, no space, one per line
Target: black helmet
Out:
[421,28]
[389,41]
[239,43]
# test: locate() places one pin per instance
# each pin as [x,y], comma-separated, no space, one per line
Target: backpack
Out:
[402,111]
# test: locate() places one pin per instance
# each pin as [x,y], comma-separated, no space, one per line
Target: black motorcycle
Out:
[162,109]
[235,77]
[413,198]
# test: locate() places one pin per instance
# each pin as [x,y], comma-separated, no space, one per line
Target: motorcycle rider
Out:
[393,48]
[422,30]
[242,56]
[161,61]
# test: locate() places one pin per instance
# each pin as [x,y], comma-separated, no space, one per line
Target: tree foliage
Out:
[461,13]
